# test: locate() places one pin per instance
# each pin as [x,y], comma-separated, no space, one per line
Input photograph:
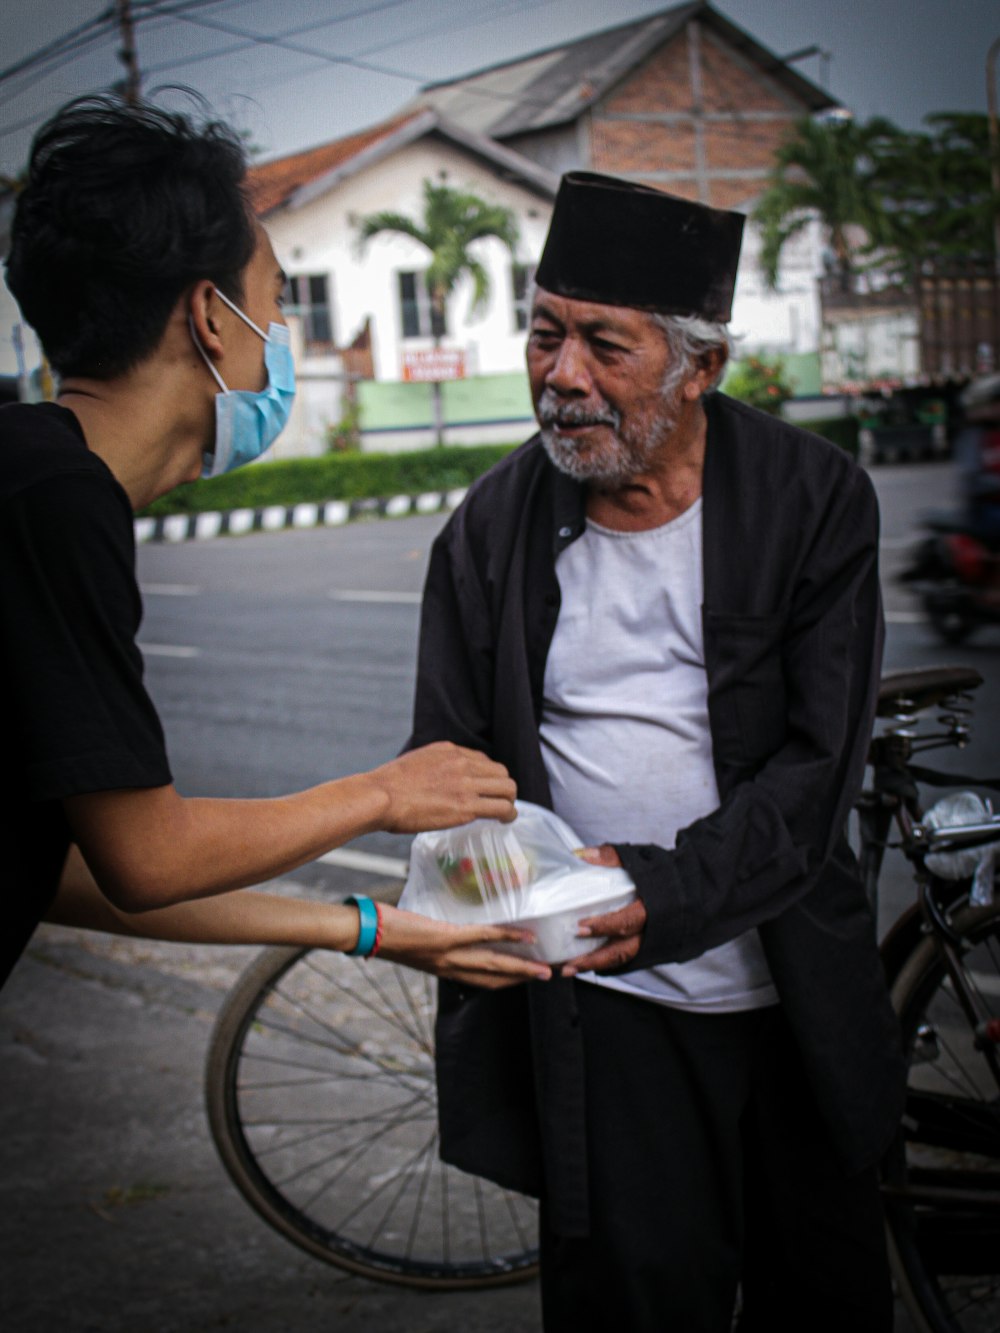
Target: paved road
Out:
[277,661]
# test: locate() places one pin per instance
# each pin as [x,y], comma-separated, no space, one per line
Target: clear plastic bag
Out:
[964,807]
[525,873]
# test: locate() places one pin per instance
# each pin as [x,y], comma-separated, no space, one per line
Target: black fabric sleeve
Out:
[69,613]
[455,660]
[763,847]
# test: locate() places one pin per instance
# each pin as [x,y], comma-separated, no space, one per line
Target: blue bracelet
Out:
[368,933]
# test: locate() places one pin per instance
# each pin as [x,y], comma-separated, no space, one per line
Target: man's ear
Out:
[707,373]
[203,308]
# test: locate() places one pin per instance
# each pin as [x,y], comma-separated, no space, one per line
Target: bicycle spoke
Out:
[421,1154]
[328,1127]
[354,1051]
[523,1240]
[481,1212]
[445,1217]
[388,1015]
[961,1081]
[381,1187]
[330,1111]
[418,1210]
[420,1015]
[356,1151]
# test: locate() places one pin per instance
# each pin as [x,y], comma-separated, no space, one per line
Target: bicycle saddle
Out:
[922,687]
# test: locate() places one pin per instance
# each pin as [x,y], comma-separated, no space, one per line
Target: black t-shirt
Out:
[76,716]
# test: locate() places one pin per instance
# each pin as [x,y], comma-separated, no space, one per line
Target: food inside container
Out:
[526,874]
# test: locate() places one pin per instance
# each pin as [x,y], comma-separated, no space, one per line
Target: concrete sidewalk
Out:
[117,1215]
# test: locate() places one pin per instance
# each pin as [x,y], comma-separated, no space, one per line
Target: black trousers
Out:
[710,1171]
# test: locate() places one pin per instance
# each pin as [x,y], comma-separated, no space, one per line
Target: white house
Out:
[682,99]
[361,315]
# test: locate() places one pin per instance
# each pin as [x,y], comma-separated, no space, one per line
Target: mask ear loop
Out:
[206,358]
[237,311]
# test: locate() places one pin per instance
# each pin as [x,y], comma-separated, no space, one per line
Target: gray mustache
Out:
[551,412]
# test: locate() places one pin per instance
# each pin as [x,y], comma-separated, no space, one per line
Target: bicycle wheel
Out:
[942,1177]
[322,1103]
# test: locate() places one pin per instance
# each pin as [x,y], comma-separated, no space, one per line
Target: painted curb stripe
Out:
[276,518]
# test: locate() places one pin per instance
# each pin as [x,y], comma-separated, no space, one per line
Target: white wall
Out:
[10,319]
[875,346]
[788,320]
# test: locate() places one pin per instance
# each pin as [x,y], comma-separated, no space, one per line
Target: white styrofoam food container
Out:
[525,874]
[556,937]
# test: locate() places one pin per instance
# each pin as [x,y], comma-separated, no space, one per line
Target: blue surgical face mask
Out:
[247,423]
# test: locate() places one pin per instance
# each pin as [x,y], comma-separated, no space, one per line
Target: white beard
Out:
[615,463]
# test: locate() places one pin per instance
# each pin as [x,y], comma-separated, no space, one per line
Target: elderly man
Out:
[662,614]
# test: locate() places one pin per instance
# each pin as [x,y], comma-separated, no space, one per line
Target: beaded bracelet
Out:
[370,928]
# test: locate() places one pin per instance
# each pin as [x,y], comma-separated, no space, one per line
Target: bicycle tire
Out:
[322,1103]
[941,1179]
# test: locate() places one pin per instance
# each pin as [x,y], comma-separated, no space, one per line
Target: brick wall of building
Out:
[696,118]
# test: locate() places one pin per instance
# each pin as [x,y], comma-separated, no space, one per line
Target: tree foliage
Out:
[760,382]
[824,170]
[934,194]
[886,197]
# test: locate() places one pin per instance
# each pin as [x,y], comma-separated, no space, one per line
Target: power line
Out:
[253,41]
[102,25]
[263,39]
[489,15]
[83,35]
[63,50]
[148,11]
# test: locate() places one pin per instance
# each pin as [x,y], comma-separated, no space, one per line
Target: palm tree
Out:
[452,222]
[823,171]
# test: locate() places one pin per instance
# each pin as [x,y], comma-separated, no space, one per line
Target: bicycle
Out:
[322,1103]
[941,1177]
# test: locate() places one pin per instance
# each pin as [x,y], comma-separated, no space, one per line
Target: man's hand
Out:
[459,953]
[442,785]
[624,928]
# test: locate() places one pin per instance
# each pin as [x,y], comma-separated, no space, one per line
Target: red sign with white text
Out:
[433,364]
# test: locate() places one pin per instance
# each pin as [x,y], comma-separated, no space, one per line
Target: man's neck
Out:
[667,490]
[148,426]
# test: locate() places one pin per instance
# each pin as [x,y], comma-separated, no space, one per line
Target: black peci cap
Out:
[619,243]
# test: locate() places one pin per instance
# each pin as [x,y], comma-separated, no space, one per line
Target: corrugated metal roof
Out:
[554,86]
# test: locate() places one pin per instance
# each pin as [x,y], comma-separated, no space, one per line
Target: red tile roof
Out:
[271,183]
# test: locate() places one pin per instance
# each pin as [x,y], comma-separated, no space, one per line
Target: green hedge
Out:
[353,476]
[839,430]
[358,476]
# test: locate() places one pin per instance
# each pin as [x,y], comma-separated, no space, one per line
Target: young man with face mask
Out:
[157,298]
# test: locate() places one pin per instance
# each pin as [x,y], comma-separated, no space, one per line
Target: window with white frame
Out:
[521,278]
[308,296]
[417,318]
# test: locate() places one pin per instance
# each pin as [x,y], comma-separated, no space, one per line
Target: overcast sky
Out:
[898,58]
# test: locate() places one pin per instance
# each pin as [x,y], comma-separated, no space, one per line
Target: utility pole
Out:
[991,102]
[127,54]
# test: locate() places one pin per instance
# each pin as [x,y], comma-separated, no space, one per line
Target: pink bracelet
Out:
[378,930]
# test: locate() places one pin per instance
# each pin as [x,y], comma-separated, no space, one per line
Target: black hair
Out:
[124,209]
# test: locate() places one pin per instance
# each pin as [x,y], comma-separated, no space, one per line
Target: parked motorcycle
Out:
[956,568]
[956,574]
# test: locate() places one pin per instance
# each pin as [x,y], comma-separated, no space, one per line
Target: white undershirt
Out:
[625,732]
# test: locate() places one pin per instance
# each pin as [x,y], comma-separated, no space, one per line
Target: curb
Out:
[275,518]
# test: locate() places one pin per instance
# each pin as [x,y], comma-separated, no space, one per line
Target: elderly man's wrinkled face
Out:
[601,386]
